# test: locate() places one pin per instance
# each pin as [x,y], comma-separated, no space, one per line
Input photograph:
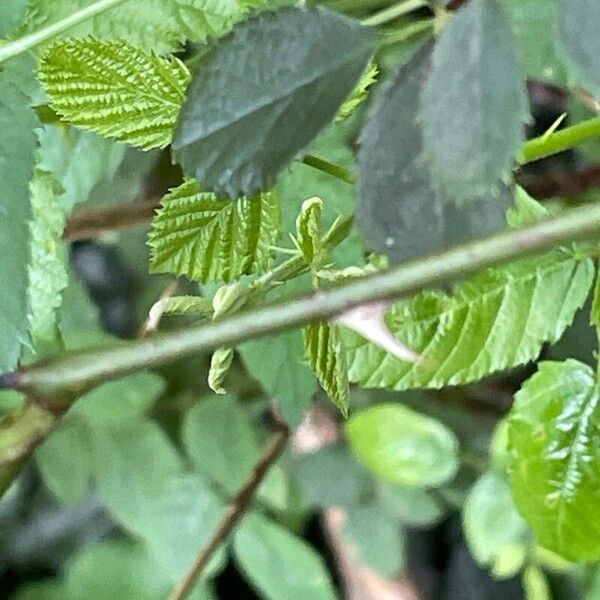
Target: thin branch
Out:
[236,509]
[587,99]
[394,12]
[27,42]
[85,224]
[73,374]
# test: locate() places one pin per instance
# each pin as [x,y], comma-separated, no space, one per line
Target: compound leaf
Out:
[205,238]
[304,64]
[555,457]
[115,90]
[474,103]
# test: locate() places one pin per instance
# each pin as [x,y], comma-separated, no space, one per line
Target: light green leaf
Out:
[305,62]
[17,153]
[490,520]
[326,354]
[207,239]
[308,226]
[47,271]
[276,362]
[578,24]
[375,538]
[187,305]
[555,458]
[219,366]
[161,25]
[497,320]
[472,121]
[115,90]
[359,95]
[534,23]
[206,426]
[300,574]
[403,446]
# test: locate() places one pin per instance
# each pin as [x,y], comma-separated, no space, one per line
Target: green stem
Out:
[27,42]
[329,168]
[401,35]
[561,140]
[393,12]
[72,374]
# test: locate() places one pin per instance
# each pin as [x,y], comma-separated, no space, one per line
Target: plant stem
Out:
[236,509]
[329,168]
[72,374]
[401,35]
[393,12]
[27,42]
[566,138]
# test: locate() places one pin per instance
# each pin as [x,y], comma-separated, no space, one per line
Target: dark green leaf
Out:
[273,102]
[11,13]
[403,446]
[534,24]
[579,24]
[300,574]
[474,103]
[398,211]
[555,458]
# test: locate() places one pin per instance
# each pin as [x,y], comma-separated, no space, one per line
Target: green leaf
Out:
[314,473]
[283,374]
[161,26]
[47,271]
[555,458]
[11,14]
[308,226]
[326,354]
[497,320]
[68,474]
[17,154]
[375,539]
[534,24]
[474,104]
[305,62]
[78,160]
[579,23]
[115,90]
[398,211]
[360,93]
[205,238]
[206,426]
[403,446]
[219,366]
[412,506]
[300,574]
[187,305]
[490,520]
